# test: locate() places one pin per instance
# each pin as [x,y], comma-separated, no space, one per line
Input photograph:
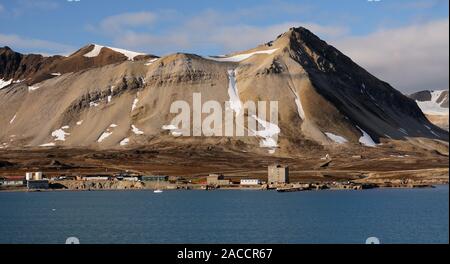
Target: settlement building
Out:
[13,181]
[37,184]
[151,178]
[216,179]
[96,178]
[132,179]
[35,181]
[250,182]
[278,174]
[36,176]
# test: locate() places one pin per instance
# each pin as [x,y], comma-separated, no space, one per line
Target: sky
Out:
[403,42]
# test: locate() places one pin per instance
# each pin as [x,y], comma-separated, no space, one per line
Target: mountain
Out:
[434,104]
[110,100]
[33,68]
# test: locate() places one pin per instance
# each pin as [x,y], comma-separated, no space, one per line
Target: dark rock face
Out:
[421,96]
[17,66]
[344,75]
[348,86]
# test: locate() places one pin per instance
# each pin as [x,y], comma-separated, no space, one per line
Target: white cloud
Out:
[226,38]
[205,31]
[125,21]
[411,58]
[17,42]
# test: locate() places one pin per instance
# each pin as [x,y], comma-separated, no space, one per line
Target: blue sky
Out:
[219,27]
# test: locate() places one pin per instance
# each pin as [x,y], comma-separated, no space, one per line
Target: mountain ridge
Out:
[35,68]
[325,99]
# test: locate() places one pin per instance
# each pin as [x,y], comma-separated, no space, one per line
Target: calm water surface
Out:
[392,215]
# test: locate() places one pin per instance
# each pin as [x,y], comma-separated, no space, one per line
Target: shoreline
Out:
[23,190]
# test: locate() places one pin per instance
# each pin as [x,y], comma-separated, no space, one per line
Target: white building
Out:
[29,176]
[96,178]
[37,176]
[11,183]
[132,179]
[250,182]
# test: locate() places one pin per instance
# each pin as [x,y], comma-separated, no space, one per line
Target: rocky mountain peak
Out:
[324,97]
[5,49]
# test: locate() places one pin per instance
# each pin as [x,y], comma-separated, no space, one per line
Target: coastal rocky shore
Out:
[96,185]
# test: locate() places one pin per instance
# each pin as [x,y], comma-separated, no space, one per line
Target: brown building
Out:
[216,179]
[278,174]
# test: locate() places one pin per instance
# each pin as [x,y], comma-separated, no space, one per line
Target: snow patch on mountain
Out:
[336,138]
[33,88]
[298,103]
[106,133]
[173,130]
[98,48]
[60,134]
[365,139]
[124,142]
[12,119]
[104,136]
[431,131]
[4,83]
[403,131]
[134,105]
[239,57]
[150,62]
[48,145]
[136,130]
[111,90]
[433,107]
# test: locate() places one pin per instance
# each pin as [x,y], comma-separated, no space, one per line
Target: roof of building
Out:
[279,166]
[14,178]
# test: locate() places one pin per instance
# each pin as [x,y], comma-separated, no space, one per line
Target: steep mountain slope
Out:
[434,104]
[324,99]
